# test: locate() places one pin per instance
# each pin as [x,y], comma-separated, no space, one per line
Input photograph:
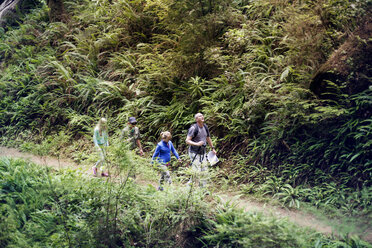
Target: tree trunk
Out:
[10,9]
[56,11]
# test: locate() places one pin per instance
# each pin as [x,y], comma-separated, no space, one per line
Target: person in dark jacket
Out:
[131,135]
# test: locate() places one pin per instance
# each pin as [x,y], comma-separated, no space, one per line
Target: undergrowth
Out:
[245,64]
[65,208]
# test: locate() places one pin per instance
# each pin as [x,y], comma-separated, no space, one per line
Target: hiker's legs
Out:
[167,177]
[204,173]
[103,167]
[198,161]
[102,160]
[193,166]
[202,169]
[164,176]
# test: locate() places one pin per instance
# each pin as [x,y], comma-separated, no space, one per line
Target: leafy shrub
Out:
[70,209]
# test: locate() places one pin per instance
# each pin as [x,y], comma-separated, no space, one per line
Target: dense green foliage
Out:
[245,64]
[68,209]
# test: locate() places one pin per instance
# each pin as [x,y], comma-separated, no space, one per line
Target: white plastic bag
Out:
[212,158]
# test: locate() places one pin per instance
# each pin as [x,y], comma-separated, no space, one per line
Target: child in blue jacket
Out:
[162,155]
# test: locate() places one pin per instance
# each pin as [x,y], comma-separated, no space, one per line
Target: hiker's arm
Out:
[192,143]
[209,140]
[156,153]
[139,146]
[95,138]
[174,151]
[122,134]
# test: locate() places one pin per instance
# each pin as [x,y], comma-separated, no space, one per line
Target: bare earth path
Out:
[53,162]
[295,216]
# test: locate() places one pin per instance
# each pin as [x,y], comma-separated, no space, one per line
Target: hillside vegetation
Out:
[68,209]
[246,65]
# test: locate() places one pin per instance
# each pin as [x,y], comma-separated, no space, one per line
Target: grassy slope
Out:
[66,208]
[246,65]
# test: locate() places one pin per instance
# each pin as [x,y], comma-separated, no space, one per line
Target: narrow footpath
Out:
[327,227]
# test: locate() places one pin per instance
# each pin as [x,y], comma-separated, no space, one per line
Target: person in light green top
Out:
[100,139]
[131,134]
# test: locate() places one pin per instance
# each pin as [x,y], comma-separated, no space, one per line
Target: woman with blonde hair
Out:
[162,155]
[100,139]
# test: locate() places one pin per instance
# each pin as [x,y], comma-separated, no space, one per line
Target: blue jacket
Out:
[163,152]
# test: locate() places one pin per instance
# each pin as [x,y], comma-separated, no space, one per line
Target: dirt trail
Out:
[295,216]
[50,161]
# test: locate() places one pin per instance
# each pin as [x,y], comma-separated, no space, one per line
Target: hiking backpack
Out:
[196,129]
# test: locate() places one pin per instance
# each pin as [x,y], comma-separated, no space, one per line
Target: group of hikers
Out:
[198,137]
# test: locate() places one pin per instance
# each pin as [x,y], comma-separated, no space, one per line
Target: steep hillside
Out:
[247,65]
